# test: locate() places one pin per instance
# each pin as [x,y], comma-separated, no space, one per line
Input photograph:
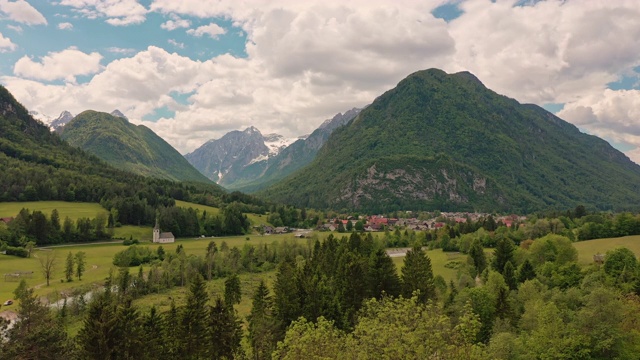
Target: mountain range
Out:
[249,161]
[445,141]
[134,148]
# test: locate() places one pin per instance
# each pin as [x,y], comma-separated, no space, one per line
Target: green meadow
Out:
[586,249]
[73,210]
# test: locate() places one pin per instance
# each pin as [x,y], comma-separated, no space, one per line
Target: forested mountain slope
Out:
[129,147]
[445,141]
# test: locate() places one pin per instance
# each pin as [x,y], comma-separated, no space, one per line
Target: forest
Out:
[344,298]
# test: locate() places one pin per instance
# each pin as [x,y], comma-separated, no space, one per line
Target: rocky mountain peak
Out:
[58,123]
[118,113]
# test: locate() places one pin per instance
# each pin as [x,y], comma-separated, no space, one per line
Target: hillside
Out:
[294,157]
[133,148]
[445,141]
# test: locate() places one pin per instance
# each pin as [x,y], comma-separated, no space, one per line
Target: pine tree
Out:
[286,304]
[232,290]
[152,330]
[503,254]
[383,276]
[80,263]
[37,335]
[477,256]
[417,274]
[68,269]
[526,272]
[128,332]
[509,274]
[225,331]
[193,321]
[261,324]
[97,338]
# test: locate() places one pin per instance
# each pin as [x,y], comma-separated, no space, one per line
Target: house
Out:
[268,229]
[6,220]
[598,258]
[162,237]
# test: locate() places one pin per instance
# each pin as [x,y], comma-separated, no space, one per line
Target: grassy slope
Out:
[73,210]
[134,148]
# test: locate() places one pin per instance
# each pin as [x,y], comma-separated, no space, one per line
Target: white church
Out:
[162,237]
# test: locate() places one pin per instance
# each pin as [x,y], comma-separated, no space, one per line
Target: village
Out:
[376,223]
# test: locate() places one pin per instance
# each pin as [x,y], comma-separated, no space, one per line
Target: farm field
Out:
[256,219]
[586,249]
[73,210]
[99,259]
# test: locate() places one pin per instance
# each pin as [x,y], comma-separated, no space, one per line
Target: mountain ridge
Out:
[530,158]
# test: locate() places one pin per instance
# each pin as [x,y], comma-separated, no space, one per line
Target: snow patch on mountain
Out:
[277,143]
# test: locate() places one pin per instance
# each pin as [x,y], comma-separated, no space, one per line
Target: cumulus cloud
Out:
[117,12]
[65,26]
[22,12]
[175,23]
[213,30]
[176,43]
[119,50]
[6,45]
[66,64]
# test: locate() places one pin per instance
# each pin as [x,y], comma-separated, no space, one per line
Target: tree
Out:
[349,226]
[47,264]
[29,247]
[477,256]
[232,291]
[68,269]
[509,274]
[193,322]
[286,304]
[618,260]
[383,276]
[526,272]
[97,338]
[261,324]
[225,331]
[80,263]
[37,335]
[503,254]
[417,274]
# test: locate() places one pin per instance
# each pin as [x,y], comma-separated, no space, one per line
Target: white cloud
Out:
[176,43]
[22,12]
[118,50]
[213,30]
[66,64]
[117,12]
[65,26]
[6,45]
[175,23]
[16,28]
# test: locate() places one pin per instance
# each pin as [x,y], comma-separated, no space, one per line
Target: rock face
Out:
[118,113]
[58,123]
[445,141]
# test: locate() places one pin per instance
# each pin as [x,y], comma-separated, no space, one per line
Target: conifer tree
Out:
[80,264]
[383,276]
[509,275]
[417,274]
[97,338]
[477,256]
[503,254]
[261,324]
[286,304]
[68,269]
[225,331]
[152,330]
[193,321]
[128,332]
[526,272]
[232,290]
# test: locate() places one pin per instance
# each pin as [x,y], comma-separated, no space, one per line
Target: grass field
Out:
[586,249]
[143,233]
[256,219]
[71,209]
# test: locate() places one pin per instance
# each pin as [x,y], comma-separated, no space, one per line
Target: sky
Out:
[192,70]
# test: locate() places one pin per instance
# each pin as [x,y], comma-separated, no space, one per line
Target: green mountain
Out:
[133,148]
[445,141]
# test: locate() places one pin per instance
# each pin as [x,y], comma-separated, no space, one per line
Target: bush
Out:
[17,251]
[134,256]
[130,242]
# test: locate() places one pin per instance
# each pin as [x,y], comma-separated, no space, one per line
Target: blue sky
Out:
[193,70]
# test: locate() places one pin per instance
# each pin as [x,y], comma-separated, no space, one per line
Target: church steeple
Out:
[156,231]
